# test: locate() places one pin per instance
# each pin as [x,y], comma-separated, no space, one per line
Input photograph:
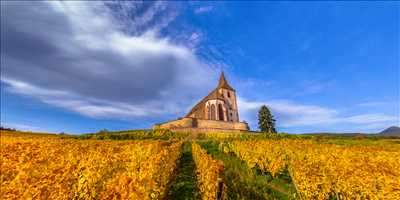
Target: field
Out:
[144,164]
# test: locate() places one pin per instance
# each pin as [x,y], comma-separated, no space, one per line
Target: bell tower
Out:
[229,96]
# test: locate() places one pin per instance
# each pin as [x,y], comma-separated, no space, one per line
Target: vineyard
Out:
[166,165]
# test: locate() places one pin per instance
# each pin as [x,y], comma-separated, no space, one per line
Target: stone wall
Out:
[202,124]
[215,124]
[206,130]
[179,123]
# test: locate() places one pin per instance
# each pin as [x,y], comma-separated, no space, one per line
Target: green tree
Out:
[266,121]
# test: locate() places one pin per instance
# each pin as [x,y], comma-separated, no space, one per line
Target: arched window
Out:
[207,114]
[212,112]
[229,95]
[220,113]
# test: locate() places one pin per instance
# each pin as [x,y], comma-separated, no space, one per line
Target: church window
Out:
[229,95]
[208,112]
[220,112]
[212,112]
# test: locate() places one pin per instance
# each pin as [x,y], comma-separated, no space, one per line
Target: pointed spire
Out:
[223,83]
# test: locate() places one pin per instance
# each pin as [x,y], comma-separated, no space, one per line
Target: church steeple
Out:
[223,83]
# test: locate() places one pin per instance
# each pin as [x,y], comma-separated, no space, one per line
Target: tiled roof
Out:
[223,83]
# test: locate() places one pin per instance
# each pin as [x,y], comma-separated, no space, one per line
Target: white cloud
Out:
[291,114]
[22,127]
[85,61]
[373,103]
[374,127]
[369,118]
[203,9]
[313,89]
[137,17]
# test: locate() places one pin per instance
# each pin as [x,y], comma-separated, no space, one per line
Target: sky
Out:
[79,67]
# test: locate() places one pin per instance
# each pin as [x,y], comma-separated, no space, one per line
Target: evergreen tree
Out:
[266,121]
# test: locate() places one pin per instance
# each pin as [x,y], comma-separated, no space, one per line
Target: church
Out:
[218,111]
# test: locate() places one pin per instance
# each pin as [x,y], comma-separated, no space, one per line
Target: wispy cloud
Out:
[291,114]
[88,63]
[373,103]
[22,127]
[203,9]
[137,17]
[374,127]
[314,88]
[368,118]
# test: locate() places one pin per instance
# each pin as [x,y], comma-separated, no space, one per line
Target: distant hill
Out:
[391,131]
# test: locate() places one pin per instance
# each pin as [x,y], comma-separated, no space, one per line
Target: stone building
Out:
[217,111]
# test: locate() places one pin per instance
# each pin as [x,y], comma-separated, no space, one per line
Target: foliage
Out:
[48,167]
[103,131]
[266,121]
[246,183]
[244,136]
[257,166]
[163,134]
[209,173]
[146,180]
[321,171]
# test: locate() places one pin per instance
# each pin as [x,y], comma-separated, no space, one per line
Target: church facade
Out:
[216,112]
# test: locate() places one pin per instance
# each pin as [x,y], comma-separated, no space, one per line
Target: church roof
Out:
[213,94]
[223,83]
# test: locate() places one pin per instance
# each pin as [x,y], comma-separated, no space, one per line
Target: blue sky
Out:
[80,67]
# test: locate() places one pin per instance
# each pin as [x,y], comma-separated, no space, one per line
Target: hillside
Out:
[391,131]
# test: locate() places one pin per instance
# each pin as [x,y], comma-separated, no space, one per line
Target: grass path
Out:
[184,186]
[244,183]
